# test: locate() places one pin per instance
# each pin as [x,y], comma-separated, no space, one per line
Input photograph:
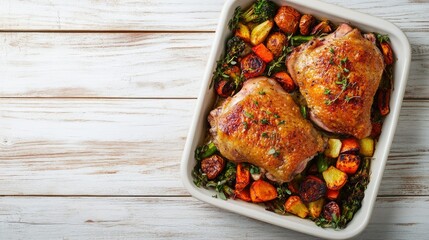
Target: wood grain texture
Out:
[102,65]
[178,218]
[175,15]
[134,147]
[138,65]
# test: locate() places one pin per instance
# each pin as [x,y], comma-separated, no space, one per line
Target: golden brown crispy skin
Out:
[318,70]
[262,125]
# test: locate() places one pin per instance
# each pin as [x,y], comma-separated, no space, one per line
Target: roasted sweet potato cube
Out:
[242,177]
[295,206]
[348,163]
[349,145]
[262,191]
[367,147]
[315,208]
[263,52]
[243,195]
[334,178]
[333,148]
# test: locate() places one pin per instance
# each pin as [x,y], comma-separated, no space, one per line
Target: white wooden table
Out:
[96,99]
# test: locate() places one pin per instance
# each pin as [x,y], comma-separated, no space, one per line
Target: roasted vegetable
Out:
[243,194]
[298,40]
[383,99]
[367,147]
[263,52]
[295,206]
[276,42]
[224,88]
[235,20]
[252,66]
[376,129]
[306,23]
[322,163]
[315,208]
[212,166]
[260,32]
[386,49]
[312,189]
[331,211]
[349,145]
[236,47]
[262,191]
[334,178]
[333,148]
[287,19]
[242,177]
[234,76]
[285,81]
[353,193]
[243,32]
[260,11]
[205,151]
[348,163]
[332,194]
[256,172]
[322,27]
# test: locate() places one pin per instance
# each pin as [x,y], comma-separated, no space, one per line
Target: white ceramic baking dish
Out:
[207,97]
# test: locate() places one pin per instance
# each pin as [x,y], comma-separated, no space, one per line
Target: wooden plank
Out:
[176,15]
[185,218]
[165,65]
[102,65]
[134,147]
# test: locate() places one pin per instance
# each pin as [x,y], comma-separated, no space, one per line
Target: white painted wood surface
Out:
[96,99]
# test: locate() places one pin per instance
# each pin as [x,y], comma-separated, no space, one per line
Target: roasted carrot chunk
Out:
[332,194]
[285,81]
[312,188]
[315,208]
[295,206]
[334,178]
[387,52]
[263,52]
[383,102]
[242,177]
[243,195]
[349,145]
[262,191]
[348,163]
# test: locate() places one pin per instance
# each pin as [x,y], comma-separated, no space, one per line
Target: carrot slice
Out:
[263,52]
[262,191]
[285,81]
[242,177]
[332,194]
[243,195]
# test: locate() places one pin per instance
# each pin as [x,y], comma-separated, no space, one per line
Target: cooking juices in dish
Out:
[301,104]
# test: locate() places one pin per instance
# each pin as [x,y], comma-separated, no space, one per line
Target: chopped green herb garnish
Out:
[246,126]
[276,116]
[268,112]
[282,122]
[265,121]
[254,169]
[274,152]
[256,102]
[332,50]
[327,91]
[247,114]
[262,92]
[264,134]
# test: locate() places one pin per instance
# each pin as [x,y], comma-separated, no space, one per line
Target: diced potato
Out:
[348,163]
[349,145]
[367,147]
[315,208]
[243,32]
[262,191]
[333,148]
[260,32]
[295,206]
[334,178]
